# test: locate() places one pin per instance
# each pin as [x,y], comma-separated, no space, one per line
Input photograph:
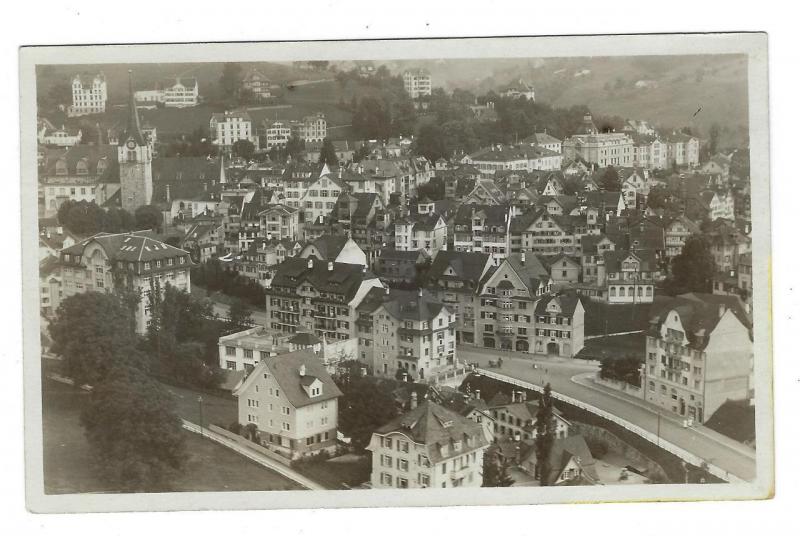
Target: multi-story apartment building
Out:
[293,402]
[593,247]
[127,261]
[258,83]
[718,204]
[454,278]
[483,229]
[628,276]
[426,232]
[229,127]
[682,149]
[559,324]
[181,93]
[549,234]
[699,355]
[544,140]
[82,173]
[244,350]
[516,421]
[428,447]
[275,134]
[676,231]
[417,83]
[279,222]
[505,313]
[521,157]
[89,95]
[412,334]
[319,198]
[317,296]
[602,149]
[311,129]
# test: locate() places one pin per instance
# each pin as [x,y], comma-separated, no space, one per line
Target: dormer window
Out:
[61,167]
[82,167]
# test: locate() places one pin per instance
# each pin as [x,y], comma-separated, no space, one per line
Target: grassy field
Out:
[337,475]
[68,461]
[601,318]
[616,346]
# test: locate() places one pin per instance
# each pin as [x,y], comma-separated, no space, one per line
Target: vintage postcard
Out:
[389,273]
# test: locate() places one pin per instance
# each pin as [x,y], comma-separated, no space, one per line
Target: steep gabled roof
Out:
[285,368]
[436,426]
[468,266]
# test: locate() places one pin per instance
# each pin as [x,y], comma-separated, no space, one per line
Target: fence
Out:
[450,375]
[681,453]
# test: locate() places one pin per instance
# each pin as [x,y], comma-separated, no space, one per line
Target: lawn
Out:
[68,461]
[337,474]
[614,346]
[603,318]
[217,409]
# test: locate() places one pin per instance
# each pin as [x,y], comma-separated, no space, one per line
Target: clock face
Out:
[131,144]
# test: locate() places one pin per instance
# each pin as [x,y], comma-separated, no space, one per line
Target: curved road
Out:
[573,378]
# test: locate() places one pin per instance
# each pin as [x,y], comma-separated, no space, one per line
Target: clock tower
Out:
[135,158]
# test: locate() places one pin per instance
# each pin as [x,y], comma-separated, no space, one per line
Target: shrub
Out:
[235,427]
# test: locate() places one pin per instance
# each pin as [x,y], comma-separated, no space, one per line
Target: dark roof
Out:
[567,301]
[563,450]
[343,279]
[91,155]
[136,246]
[397,255]
[434,425]
[185,168]
[531,272]
[467,266]
[329,246]
[305,339]
[414,307]
[426,222]
[613,259]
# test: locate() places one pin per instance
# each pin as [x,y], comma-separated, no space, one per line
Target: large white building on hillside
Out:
[89,95]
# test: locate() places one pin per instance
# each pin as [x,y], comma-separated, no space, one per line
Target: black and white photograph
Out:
[410,272]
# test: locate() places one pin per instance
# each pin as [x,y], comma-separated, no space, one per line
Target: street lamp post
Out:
[200,403]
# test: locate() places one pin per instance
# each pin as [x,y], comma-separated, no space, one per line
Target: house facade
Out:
[428,447]
[89,95]
[293,402]
[699,355]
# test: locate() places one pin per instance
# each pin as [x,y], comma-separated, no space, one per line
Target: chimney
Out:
[169,198]
[524,396]
[302,370]
[310,263]
[419,293]
[387,291]
[330,266]
[522,258]
[413,399]
[722,309]
[60,230]
[477,394]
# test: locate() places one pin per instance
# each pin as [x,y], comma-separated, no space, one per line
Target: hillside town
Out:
[447,295]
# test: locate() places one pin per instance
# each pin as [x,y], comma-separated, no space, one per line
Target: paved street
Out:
[571,378]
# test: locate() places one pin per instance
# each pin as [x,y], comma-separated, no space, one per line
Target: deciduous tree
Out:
[693,270]
[327,154]
[133,431]
[93,332]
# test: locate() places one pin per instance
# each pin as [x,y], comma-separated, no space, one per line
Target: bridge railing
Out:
[660,442]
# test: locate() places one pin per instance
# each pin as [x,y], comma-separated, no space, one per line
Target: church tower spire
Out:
[135,159]
[222,178]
